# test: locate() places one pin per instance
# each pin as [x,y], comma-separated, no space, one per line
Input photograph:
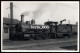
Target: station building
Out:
[6,26]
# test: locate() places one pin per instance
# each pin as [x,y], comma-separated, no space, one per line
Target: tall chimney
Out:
[11,20]
[22,18]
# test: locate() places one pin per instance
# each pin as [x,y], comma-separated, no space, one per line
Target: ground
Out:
[48,44]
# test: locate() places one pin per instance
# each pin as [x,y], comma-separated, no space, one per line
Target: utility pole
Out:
[8,16]
[11,21]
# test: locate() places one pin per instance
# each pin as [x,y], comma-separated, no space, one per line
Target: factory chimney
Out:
[22,18]
[11,36]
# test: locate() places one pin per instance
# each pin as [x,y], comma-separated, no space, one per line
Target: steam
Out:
[26,13]
[41,9]
[38,12]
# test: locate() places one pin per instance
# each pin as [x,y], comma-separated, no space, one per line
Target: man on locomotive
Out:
[18,30]
[18,27]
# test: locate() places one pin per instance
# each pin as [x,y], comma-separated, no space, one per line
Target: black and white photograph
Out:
[40,26]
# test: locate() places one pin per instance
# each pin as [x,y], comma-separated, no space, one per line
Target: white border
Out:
[36,50]
[44,1]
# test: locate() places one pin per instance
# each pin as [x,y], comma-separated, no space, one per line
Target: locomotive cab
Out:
[53,28]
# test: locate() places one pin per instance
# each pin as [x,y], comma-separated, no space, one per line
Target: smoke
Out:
[26,13]
[40,10]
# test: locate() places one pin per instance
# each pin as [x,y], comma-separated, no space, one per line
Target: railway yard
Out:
[47,44]
[50,34]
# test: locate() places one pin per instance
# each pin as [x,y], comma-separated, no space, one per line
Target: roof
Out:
[7,21]
[51,22]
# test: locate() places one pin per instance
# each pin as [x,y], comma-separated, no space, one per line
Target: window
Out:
[5,30]
[47,27]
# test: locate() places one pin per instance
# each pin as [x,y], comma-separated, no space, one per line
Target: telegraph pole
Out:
[8,16]
[11,21]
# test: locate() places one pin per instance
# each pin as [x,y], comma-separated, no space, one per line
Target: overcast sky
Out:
[44,11]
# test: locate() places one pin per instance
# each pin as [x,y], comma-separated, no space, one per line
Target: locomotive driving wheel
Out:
[66,35]
[47,36]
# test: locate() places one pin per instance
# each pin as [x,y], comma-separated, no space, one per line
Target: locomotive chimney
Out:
[76,23]
[32,21]
[22,18]
[69,21]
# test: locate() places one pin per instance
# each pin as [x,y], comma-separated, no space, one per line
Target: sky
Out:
[43,11]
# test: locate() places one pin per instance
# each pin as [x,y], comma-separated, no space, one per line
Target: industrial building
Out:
[6,26]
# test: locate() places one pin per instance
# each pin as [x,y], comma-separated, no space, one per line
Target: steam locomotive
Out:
[49,30]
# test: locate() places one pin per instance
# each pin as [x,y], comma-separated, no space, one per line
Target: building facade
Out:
[6,27]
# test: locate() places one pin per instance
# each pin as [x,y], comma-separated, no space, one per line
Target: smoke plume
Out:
[40,10]
[26,13]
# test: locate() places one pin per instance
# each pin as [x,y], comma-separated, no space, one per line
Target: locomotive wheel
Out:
[57,36]
[43,36]
[66,35]
[19,35]
[46,36]
[51,36]
[35,37]
[38,37]
[32,37]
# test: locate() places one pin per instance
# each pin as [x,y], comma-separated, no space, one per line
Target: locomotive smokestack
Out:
[22,18]
[76,23]
[33,22]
